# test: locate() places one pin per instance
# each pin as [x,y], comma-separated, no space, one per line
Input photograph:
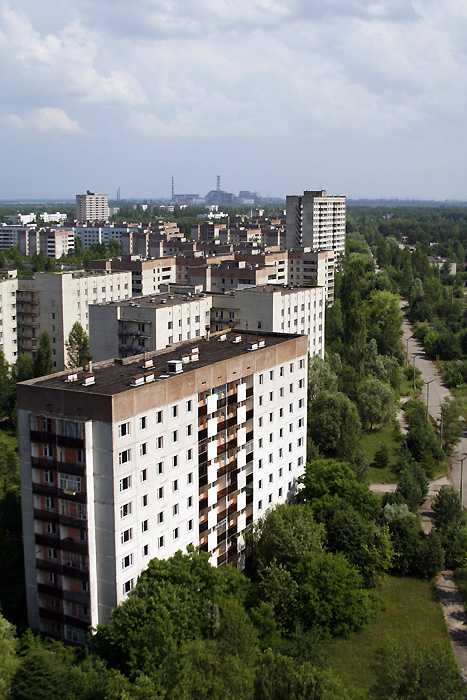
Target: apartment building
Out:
[316,220]
[139,458]
[142,324]
[54,301]
[92,207]
[276,309]
[50,242]
[96,235]
[146,275]
[8,320]
[309,268]
[9,235]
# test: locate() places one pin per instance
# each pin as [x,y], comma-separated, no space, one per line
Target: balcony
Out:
[67,544]
[55,439]
[70,596]
[49,490]
[68,569]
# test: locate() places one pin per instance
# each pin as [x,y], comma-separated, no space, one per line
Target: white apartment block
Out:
[9,235]
[54,301]
[147,275]
[275,309]
[313,268]
[142,324]
[96,235]
[316,220]
[8,340]
[139,458]
[51,242]
[92,207]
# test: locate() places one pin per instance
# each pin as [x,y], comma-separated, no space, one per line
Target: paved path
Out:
[453,609]
[436,394]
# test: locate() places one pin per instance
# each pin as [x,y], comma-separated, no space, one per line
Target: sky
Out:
[361,97]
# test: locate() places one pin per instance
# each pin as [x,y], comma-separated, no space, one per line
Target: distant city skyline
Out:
[361,97]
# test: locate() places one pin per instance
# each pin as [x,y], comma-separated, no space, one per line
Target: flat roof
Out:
[267,289]
[114,376]
[164,299]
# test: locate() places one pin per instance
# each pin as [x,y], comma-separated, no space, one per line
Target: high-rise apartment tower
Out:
[316,220]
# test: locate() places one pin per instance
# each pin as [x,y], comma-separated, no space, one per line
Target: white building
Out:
[142,324]
[51,242]
[142,457]
[275,309]
[313,268]
[92,207]
[8,340]
[96,235]
[54,301]
[316,220]
[9,235]
[57,218]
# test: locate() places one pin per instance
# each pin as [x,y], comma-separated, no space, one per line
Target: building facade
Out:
[316,220]
[276,309]
[92,207]
[8,315]
[313,268]
[142,324]
[140,458]
[54,301]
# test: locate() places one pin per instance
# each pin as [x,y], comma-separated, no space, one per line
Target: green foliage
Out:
[375,402]
[24,369]
[77,347]
[384,322]
[452,422]
[8,658]
[447,510]
[413,486]
[381,458]
[7,390]
[43,360]
[334,425]
[321,377]
[422,440]
[417,673]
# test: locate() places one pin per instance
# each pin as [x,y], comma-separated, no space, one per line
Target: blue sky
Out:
[364,98]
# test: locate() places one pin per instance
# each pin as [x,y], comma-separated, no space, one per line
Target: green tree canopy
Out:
[77,347]
[43,360]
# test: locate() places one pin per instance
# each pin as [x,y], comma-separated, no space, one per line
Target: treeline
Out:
[27,264]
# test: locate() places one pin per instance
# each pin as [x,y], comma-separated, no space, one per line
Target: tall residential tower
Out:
[316,220]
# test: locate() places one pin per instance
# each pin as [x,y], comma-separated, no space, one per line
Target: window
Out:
[271,417]
[160,492]
[175,485]
[175,461]
[160,467]
[290,427]
[175,533]
[126,535]
[189,405]
[175,509]
[280,472]
[125,483]
[160,517]
[190,525]
[290,407]
[159,417]
[281,371]
[189,430]
[174,411]
[291,367]
[143,449]
[300,442]
[175,436]
[280,492]
[291,388]
[260,400]
[189,501]
[124,429]
[146,550]
[281,391]
[260,463]
[271,395]
[160,542]
[300,403]
[189,478]
[301,383]
[160,442]
[145,500]
[128,586]
[270,478]
[260,505]
[144,474]
[144,526]
[260,443]
[127,561]
[270,498]
[302,364]
[124,457]
[271,374]
[189,454]
[260,484]
[271,458]
[125,509]
[261,379]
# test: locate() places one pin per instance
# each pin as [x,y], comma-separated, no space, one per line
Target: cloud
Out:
[45,119]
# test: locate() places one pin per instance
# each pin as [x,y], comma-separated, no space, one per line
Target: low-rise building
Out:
[146,275]
[138,458]
[142,324]
[8,315]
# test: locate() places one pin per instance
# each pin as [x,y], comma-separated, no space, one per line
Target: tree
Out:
[413,486]
[43,360]
[375,402]
[384,322]
[8,658]
[7,390]
[77,347]
[321,377]
[24,368]
[381,458]
[447,510]
[334,425]
[281,677]
[452,423]
[416,672]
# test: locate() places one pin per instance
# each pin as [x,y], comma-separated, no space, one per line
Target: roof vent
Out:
[72,377]
[252,346]
[222,338]
[148,363]
[175,366]
[89,380]
[162,376]
[137,380]
[237,339]
[186,359]
[163,301]
[262,344]
[148,378]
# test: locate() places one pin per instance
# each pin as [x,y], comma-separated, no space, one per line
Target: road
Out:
[437,392]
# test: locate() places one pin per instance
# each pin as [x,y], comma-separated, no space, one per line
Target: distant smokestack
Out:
[218,177]
[173,188]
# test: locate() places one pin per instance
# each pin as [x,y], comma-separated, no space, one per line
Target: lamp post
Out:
[414,355]
[427,384]
[407,347]
[461,494]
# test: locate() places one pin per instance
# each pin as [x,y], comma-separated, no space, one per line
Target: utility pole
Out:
[414,355]
[427,384]
[173,188]
[461,491]
[407,348]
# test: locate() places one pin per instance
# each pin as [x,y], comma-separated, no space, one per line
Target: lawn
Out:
[370,443]
[411,615]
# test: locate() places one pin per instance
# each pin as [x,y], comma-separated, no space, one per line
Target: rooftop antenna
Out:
[218,178]
[173,188]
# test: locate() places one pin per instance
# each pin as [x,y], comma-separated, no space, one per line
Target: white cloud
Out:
[44,119]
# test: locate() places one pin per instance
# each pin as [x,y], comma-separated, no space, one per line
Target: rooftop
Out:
[112,377]
[153,300]
[266,289]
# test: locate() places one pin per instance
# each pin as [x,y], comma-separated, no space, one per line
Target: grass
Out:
[411,615]
[370,443]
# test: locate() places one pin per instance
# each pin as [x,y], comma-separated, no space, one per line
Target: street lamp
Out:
[427,384]
[461,495]
[414,355]
[407,347]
